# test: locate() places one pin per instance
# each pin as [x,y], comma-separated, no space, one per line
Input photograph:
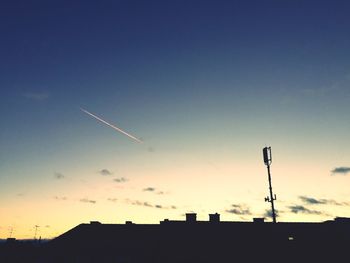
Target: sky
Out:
[204,84]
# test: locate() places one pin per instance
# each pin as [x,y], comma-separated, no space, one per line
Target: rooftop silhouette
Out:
[204,241]
[191,240]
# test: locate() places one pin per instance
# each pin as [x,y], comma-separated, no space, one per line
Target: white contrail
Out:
[112,126]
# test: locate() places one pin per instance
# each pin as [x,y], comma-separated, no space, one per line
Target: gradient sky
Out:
[205,84]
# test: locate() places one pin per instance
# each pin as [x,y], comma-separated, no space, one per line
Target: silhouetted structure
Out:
[268,160]
[190,241]
[203,241]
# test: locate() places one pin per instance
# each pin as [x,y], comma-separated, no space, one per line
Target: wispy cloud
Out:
[147,204]
[139,203]
[105,172]
[314,201]
[39,96]
[149,189]
[120,180]
[239,209]
[86,200]
[340,170]
[60,198]
[296,209]
[112,199]
[268,213]
[58,176]
[154,190]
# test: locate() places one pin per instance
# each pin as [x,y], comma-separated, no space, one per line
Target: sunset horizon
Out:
[147,110]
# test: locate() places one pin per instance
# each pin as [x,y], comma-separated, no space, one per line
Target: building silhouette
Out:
[190,240]
[203,241]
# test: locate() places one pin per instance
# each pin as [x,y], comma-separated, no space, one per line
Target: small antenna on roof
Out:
[36,230]
[268,160]
[11,231]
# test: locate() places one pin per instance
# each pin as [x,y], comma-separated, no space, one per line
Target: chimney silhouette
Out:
[191,217]
[214,218]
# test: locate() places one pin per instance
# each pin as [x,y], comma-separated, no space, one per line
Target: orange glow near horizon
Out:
[185,184]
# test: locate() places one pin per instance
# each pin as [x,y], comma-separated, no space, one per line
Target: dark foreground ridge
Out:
[195,241]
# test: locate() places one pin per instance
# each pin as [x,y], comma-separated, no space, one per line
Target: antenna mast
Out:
[11,231]
[36,230]
[268,160]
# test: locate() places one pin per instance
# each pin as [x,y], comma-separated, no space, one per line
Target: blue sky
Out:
[203,83]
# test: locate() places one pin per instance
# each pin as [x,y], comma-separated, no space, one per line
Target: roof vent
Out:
[191,217]
[214,218]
